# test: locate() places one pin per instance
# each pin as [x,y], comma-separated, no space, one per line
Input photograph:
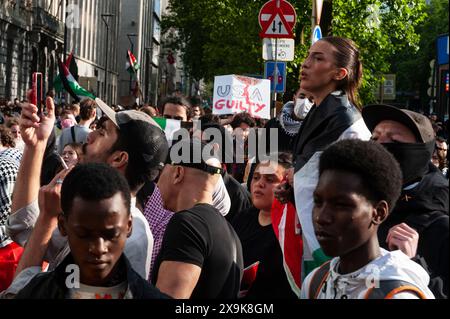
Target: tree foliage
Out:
[381,30]
[222,36]
[413,68]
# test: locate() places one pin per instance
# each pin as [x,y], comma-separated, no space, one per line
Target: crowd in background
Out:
[208,230]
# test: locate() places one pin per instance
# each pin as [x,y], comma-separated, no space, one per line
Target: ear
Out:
[216,147]
[129,225]
[380,212]
[178,174]
[118,159]
[341,73]
[62,225]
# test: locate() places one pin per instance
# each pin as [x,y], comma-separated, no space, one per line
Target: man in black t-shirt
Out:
[201,255]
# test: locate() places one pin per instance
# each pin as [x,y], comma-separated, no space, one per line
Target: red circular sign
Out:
[270,9]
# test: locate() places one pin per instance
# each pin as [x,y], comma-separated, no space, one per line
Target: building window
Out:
[157,8]
[156,30]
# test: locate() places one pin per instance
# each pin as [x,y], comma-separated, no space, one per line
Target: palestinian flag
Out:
[287,229]
[305,181]
[132,65]
[71,85]
[169,126]
[73,69]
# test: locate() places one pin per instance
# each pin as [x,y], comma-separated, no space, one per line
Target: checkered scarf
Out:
[9,166]
[289,125]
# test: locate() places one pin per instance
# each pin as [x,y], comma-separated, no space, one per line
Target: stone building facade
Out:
[34,35]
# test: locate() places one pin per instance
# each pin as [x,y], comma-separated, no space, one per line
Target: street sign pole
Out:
[277,19]
[275,80]
[275,77]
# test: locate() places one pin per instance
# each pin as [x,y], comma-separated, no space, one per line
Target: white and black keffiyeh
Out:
[9,166]
[289,125]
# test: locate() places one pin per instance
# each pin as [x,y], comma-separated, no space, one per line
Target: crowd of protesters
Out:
[97,202]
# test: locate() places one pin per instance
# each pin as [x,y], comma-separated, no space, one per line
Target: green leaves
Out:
[222,36]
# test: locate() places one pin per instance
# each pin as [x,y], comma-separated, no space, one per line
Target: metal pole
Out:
[132,52]
[65,34]
[105,92]
[63,92]
[313,15]
[433,88]
[106,65]
[274,81]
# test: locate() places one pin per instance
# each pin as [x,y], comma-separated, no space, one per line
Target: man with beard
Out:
[129,141]
[419,223]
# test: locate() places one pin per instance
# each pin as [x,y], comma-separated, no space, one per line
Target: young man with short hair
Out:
[96,219]
[177,108]
[79,132]
[359,183]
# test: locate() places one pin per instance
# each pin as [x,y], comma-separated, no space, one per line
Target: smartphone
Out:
[37,95]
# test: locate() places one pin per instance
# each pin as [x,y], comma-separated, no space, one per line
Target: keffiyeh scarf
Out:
[289,125]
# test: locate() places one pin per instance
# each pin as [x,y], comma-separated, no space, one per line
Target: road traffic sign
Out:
[284,48]
[280,75]
[317,34]
[277,19]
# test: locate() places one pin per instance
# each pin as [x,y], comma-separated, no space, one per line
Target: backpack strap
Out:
[389,288]
[72,131]
[318,279]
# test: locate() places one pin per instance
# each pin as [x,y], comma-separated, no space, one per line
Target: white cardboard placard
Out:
[236,94]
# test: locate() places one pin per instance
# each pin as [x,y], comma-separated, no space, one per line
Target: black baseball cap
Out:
[145,135]
[419,124]
[190,153]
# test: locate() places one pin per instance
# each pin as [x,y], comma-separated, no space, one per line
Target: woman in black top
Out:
[260,246]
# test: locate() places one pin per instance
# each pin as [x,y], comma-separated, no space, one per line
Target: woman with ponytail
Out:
[332,73]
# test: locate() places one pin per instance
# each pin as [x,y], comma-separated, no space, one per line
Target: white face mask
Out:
[302,107]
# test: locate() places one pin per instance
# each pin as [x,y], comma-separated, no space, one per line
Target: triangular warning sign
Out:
[277,28]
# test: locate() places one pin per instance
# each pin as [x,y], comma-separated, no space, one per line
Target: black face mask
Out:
[413,159]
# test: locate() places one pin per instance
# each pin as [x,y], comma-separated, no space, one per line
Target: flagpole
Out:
[129,35]
[63,92]
[105,88]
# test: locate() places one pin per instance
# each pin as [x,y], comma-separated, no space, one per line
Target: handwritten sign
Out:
[236,94]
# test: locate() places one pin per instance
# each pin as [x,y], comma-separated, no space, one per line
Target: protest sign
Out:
[236,94]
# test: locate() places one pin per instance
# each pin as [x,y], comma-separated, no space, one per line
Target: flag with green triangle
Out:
[132,65]
[71,85]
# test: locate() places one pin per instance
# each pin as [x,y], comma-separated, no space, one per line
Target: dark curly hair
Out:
[93,182]
[178,100]
[379,171]
[243,117]
[6,138]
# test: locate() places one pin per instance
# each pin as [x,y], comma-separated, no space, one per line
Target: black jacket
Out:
[239,196]
[425,208]
[51,285]
[323,125]
[284,140]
